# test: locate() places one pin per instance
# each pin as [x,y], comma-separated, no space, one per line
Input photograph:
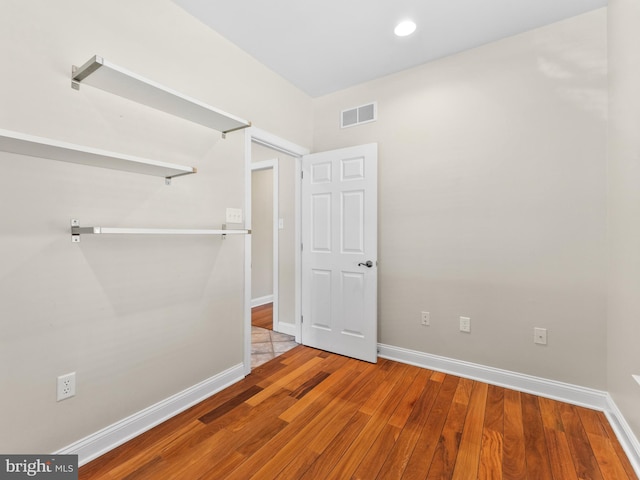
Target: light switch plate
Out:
[234,215]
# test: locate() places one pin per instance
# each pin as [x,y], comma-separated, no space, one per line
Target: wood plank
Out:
[601,444]
[334,439]
[316,437]
[551,417]
[299,408]
[152,469]
[327,460]
[269,390]
[560,458]
[311,434]
[584,460]
[283,365]
[621,455]
[401,452]
[513,460]
[444,457]
[422,456]
[262,316]
[377,454]
[591,421]
[309,385]
[230,404]
[604,452]
[468,458]
[537,457]
[351,459]
[560,455]
[408,402]
[271,407]
[220,469]
[265,454]
[133,455]
[490,467]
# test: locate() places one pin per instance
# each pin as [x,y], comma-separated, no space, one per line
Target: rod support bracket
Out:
[74,83]
[75,237]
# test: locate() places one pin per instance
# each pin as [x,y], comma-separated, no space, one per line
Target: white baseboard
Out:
[565,392]
[624,433]
[286,328]
[124,430]
[256,302]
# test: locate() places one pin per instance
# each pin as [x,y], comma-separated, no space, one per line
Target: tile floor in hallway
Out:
[267,345]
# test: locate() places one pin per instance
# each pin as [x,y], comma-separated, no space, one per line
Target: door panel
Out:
[321,216]
[353,222]
[339,236]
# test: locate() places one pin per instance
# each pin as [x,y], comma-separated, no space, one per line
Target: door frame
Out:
[266,139]
[275,193]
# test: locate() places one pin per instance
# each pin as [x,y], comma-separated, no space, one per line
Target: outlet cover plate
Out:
[425,319]
[66,386]
[465,324]
[540,336]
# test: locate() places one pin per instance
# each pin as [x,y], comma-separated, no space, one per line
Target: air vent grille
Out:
[359,115]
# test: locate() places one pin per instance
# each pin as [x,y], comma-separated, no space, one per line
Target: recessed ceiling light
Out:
[405,28]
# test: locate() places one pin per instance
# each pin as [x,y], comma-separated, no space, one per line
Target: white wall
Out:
[624,209]
[261,233]
[287,246]
[138,318]
[492,200]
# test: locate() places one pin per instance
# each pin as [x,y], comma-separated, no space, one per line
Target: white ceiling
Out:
[326,45]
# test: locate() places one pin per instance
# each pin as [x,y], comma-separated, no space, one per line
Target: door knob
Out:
[368,264]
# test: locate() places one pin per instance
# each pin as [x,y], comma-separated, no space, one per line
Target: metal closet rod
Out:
[77,230]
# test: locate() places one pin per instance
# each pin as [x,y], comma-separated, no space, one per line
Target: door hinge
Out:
[302,175]
[301,319]
[301,246]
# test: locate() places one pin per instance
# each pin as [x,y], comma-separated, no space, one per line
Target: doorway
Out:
[344,316]
[265,236]
[266,152]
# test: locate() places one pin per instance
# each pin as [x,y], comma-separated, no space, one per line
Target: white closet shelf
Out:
[77,230]
[112,78]
[33,146]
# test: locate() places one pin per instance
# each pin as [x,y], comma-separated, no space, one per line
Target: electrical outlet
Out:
[66,386]
[540,336]
[465,324]
[234,215]
[425,319]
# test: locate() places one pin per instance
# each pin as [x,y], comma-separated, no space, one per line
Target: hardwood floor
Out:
[313,415]
[262,316]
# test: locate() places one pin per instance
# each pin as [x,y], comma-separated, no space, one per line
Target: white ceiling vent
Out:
[359,115]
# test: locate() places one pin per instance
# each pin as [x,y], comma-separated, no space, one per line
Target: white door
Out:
[339,251]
